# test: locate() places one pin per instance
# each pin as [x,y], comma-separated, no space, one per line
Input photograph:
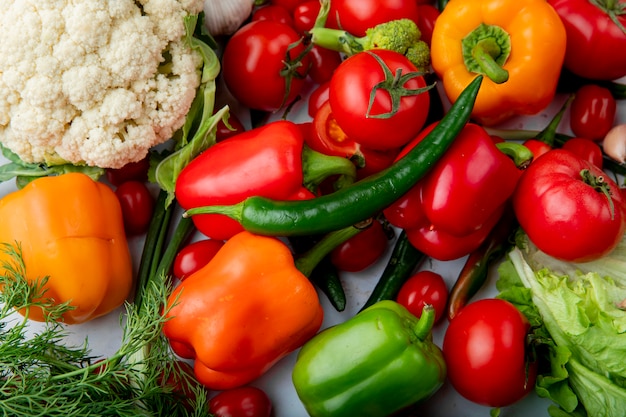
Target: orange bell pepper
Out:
[70,229]
[242,312]
[518,44]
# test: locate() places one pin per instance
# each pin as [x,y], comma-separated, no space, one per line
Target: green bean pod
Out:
[359,201]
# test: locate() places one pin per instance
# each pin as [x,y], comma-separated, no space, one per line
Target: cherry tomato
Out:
[194,256]
[179,383]
[247,401]
[223,132]
[362,250]
[486,353]
[254,65]
[356,16]
[537,147]
[427,16]
[592,112]
[374,125]
[323,63]
[305,14]
[318,97]
[328,137]
[133,171]
[586,149]
[137,206]
[424,287]
[287,4]
[273,12]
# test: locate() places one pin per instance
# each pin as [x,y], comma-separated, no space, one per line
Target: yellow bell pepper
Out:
[70,229]
[519,45]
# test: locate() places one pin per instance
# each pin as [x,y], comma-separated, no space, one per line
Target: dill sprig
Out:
[42,376]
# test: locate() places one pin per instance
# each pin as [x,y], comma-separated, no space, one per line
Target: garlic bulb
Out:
[614,143]
[224,17]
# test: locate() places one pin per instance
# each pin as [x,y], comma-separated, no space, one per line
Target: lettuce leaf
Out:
[579,325]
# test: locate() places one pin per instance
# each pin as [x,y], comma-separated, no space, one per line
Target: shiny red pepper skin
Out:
[474,176]
[265,161]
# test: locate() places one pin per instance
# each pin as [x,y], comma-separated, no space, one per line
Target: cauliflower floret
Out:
[94,82]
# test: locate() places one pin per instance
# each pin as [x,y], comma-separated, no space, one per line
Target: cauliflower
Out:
[94,82]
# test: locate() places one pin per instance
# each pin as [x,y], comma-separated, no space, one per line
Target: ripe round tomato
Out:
[305,14]
[486,353]
[254,65]
[194,256]
[318,97]
[323,63]
[273,12]
[361,250]
[586,149]
[569,207]
[377,125]
[428,15]
[424,287]
[223,132]
[594,41]
[356,16]
[137,206]
[592,112]
[537,147]
[247,401]
[287,4]
[133,171]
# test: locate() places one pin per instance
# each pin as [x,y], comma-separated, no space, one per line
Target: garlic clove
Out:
[614,143]
[224,17]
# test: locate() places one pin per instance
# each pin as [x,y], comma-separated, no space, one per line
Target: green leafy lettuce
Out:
[579,325]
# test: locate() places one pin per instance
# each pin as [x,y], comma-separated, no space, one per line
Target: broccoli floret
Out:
[402,36]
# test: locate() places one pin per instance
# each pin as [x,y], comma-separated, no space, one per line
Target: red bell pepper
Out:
[475,176]
[269,161]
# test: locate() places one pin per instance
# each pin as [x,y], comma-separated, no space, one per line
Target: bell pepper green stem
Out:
[307,262]
[317,167]
[484,53]
[424,325]
[520,154]
[486,50]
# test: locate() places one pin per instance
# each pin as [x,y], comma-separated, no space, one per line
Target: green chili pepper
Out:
[378,362]
[359,201]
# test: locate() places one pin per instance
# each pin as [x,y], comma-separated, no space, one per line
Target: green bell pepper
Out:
[378,362]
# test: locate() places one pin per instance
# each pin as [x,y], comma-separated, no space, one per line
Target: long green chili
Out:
[359,201]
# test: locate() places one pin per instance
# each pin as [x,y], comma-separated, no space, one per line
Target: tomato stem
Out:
[393,84]
[599,184]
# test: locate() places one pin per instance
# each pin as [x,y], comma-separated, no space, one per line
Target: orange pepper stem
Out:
[307,262]
[485,51]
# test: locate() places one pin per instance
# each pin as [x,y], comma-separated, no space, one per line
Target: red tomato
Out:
[133,171]
[486,354]
[318,97]
[595,44]
[245,401]
[592,112]
[427,17]
[194,256]
[356,16]
[328,137]
[137,206]
[287,4]
[253,65]
[567,215]
[179,383]
[586,149]
[305,14]
[425,287]
[362,250]
[323,63]
[275,13]
[537,147]
[375,125]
